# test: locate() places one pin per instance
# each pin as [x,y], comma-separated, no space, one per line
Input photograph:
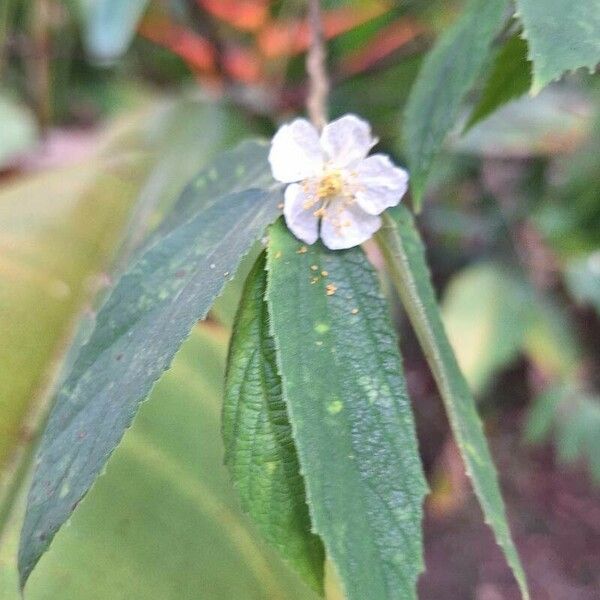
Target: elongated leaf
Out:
[163,522]
[138,331]
[110,25]
[260,451]
[242,168]
[350,414]
[405,258]
[448,73]
[510,78]
[562,36]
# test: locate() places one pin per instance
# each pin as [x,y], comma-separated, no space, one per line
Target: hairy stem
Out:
[316,102]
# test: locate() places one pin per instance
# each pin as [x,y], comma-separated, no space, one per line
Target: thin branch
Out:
[316,102]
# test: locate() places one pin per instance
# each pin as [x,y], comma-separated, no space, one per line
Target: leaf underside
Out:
[145,320]
[259,448]
[401,245]
[350,414]
[448,73]
[562,35]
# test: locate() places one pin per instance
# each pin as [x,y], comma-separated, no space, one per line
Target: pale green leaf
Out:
[109,26]
[485,311]
[143,323]
[405,258]
[542,414]
[562,35]
[582,277]
[59,232]
[18,129]
[446,76]
[260,451]
[163,522]
[350,414]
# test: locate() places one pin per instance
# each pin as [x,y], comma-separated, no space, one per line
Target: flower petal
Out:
[301,221]
[379,183]
[349,227]
[295,152]
[347,140]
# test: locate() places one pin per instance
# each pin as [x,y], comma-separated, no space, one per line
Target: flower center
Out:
[330,185]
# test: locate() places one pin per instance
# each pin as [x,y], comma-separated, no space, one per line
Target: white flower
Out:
[334,187]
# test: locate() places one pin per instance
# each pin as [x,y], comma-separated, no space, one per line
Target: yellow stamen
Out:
[330,185]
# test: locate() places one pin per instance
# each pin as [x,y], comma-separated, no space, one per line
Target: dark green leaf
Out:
[509,79]
[405,257]
[138,331]
[260,451]
[242,168]
[350,414]
[448,73]
[562,35]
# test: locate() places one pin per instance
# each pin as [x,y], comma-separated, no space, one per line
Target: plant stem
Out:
[316,102]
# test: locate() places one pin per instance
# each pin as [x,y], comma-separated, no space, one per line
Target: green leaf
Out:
[18,130]
[403,250]
[448,73]
[260,451]
[54,255]
[582,277]
[109,26]
[163,522]
[185,134]
[510,78]
[244,167]
[562,35]
[138,331]
[542,414]
[550,341]
[350,414]
[485,311]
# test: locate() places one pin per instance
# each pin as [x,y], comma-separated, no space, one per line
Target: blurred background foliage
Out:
[108,108]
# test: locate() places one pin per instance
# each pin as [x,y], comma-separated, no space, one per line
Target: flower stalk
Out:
[316,102]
